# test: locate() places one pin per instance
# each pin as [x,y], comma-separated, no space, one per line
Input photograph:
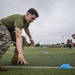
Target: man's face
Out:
[29,17]
[73,36]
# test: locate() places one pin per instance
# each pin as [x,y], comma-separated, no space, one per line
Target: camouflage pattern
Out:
[4,39]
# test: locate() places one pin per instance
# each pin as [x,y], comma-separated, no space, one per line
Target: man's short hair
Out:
[73,34]
[33,12]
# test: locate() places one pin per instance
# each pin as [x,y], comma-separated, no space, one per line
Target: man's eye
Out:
[33,18]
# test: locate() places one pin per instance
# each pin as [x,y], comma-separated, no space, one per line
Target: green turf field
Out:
[42,57]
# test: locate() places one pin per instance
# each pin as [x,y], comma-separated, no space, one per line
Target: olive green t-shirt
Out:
[15,20]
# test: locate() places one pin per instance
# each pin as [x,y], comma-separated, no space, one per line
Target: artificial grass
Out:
[37,57]
[27,71]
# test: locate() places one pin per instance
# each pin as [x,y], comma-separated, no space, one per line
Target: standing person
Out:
[69,43]
[11,29]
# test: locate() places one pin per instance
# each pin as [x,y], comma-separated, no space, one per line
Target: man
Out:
[10,28]
[73,36]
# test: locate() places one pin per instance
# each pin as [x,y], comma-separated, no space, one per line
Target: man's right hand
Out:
[21,59]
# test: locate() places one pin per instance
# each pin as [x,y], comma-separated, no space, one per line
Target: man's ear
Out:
[27,14]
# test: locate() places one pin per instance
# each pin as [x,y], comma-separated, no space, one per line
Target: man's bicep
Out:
[18,32]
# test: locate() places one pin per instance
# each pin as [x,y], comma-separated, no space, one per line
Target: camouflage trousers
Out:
[5,39]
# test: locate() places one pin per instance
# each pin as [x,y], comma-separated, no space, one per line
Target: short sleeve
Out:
[18,23]
[26,26]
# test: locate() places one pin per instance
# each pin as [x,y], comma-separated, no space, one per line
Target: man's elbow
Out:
[18,36]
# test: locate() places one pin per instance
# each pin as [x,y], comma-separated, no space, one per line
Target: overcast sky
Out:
[57,18]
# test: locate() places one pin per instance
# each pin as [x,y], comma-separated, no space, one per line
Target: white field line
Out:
[30,67]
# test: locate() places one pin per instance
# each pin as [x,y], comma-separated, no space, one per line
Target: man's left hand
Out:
[32,42]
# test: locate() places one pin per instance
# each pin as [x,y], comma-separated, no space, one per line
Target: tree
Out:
[37,45]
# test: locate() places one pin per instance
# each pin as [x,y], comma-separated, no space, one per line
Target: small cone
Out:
[46,52]
[65,66]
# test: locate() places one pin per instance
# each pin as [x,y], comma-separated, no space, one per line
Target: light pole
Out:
[62,41]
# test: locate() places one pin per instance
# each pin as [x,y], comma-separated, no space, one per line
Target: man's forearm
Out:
[28,33]
[19,44]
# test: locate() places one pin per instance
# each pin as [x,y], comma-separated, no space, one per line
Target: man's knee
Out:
[4,40]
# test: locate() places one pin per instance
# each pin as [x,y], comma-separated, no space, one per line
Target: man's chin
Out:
[28,22]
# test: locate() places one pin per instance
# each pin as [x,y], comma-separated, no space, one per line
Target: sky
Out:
[56,22]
